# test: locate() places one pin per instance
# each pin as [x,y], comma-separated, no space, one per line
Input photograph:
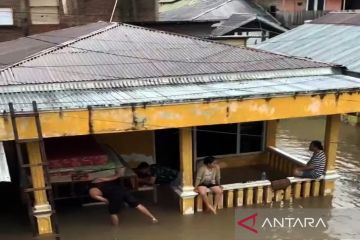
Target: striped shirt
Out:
[318,161]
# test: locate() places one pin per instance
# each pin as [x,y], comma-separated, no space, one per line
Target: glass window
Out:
[311,5]
[251,137]
[216,140]
[6,17]
[320,5]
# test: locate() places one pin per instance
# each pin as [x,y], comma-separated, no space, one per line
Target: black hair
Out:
[317,144]
[209,160]
[143,165]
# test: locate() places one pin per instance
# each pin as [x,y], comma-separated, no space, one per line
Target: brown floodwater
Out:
[91,223]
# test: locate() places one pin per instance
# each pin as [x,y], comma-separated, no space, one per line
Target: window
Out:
[315,5]
[6,17]
[227,139]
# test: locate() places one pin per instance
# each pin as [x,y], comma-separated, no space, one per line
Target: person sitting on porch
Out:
[156,174]
[208,177]
[315,168]
[109,191]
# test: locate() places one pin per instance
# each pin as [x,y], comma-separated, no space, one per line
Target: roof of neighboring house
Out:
[239,20]
[16,50]
[339,18]
[210,10]
[329,39]
[122,64]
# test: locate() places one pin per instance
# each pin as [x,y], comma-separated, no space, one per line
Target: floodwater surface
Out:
[92,223]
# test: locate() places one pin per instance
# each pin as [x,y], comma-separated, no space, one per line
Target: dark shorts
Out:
[117,200]
[117,196]
[208,185]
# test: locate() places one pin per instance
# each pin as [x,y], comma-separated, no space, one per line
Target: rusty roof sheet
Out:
[126,52]
[339,18]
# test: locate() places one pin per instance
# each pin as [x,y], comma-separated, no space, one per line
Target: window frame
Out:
[315,6]
[12,15]
[238,141]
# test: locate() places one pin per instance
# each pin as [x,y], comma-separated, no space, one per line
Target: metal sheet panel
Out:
[4,170]
[73,99]
[123,51]
[336,44]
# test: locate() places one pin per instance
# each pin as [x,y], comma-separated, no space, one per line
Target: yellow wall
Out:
[110,120]
[134,147]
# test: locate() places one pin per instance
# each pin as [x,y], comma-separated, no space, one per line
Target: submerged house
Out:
[171,99]
[334,38]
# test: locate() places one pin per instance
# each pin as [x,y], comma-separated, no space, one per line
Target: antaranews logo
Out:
[282,224]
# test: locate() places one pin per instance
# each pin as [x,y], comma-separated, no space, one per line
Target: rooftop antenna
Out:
[113,11]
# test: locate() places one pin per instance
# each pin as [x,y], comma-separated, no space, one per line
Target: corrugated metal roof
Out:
[239,20]
[125,52]
[16,50]
[4,170]
[336,44]
[210,10]
[341,18]
[180,93]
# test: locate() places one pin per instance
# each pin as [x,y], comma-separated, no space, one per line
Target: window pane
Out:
[6,17]
[320,5]
[216,140]
[251,137]
[311,5]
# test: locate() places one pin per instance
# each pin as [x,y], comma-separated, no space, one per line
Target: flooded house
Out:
[123,94]
[334,38]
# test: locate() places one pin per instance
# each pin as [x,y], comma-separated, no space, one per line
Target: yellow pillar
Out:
[330,144]
[271,127]
[230,199]
[41,204]
[331,140]
[186,169]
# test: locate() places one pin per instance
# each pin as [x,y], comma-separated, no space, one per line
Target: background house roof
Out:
[16,50]
[334,38]
[239,20]
[339,18]
[210,10]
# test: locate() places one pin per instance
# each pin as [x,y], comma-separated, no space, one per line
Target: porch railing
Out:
[260,192]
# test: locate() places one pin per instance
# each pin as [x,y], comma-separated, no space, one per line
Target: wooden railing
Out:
[260,192]
[239,194]
[283,162]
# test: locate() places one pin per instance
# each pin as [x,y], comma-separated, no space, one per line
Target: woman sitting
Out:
[315,168]
[208,177]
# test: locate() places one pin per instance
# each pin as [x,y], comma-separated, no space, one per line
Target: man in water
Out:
[109,191]
[156,174]
[315,168]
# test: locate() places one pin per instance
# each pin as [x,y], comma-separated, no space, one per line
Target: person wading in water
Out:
[109,191]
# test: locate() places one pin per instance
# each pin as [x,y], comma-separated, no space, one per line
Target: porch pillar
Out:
[330,145]
[41,204]
[271,127]
[186,167]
